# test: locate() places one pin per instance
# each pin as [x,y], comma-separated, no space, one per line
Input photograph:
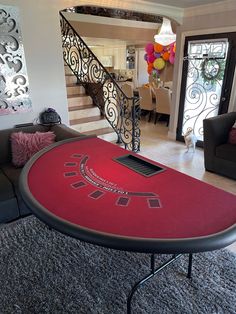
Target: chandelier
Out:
[165,37]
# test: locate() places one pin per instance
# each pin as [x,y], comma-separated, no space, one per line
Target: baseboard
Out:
[171,135]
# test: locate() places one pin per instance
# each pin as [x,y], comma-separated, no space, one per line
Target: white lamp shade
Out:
[165,36]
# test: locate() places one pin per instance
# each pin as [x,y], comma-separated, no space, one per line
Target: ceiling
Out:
[105,38]
[180,4]
[183,4]
[108,42]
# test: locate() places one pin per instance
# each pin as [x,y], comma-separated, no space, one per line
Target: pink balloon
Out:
[146,57]
[149,48]
[172,49]
[151,58]
[172,59]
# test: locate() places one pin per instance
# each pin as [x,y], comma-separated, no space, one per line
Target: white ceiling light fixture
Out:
[166,36]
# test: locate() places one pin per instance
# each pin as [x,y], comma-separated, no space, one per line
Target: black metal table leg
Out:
[152,274]
[190,263]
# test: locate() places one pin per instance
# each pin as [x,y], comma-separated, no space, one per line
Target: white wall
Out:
[118,54]
[141,66]
[40,27]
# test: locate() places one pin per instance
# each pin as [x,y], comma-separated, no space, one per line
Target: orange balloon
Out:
[149,68]
[158,47]
[174,48]
[166,56]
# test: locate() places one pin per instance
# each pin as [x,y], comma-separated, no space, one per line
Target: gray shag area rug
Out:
[43,271]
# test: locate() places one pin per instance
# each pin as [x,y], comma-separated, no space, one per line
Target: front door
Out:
[208,71]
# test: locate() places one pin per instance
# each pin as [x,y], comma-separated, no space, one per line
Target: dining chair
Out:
[153,86]
[168,84]
[163,103]
[145,100]
[128,91]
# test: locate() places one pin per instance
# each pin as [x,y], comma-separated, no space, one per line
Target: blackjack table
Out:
[100,193]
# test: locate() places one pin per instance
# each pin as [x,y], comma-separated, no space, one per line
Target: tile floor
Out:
[156,145]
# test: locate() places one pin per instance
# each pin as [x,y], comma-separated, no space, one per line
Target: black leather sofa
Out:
[219,155]
[11,203]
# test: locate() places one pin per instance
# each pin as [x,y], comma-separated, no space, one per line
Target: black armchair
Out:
[219,155]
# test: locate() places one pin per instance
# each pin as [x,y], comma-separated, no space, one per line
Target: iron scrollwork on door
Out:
[205,74]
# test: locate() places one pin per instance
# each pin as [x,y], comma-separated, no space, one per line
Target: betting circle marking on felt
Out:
[91,177]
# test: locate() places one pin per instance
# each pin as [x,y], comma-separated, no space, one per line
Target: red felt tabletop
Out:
[81,182]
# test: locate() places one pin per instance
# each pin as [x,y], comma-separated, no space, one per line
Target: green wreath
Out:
[212,70]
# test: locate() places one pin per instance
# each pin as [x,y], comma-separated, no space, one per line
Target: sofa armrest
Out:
[64,132]
[216,131]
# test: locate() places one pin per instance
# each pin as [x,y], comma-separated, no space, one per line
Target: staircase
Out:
[102,88]
[84,116]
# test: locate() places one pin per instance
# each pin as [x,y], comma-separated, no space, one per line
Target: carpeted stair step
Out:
[79,99]
[84,113]
[86,120]
[89,124]
[107,134]
[100,131]
[75,89]
[74,108]
[70,79]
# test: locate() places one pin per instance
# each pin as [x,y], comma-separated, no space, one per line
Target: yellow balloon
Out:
[159,64]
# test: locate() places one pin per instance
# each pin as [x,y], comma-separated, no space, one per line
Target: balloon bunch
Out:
[157,56]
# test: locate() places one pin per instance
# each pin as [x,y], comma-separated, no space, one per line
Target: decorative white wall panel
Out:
[14,86]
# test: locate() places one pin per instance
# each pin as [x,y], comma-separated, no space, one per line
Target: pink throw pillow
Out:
[232,136]
[25,145]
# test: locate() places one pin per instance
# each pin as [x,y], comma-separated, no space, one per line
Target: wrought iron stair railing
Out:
[121,112]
